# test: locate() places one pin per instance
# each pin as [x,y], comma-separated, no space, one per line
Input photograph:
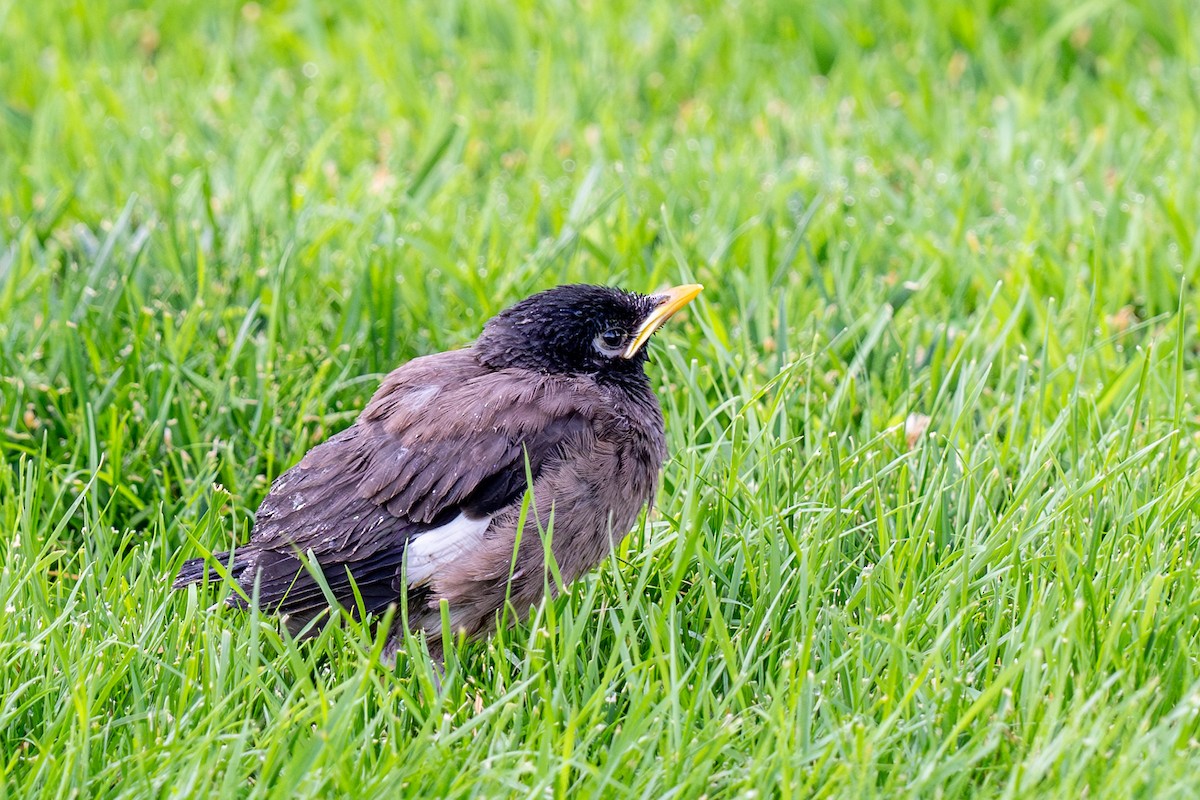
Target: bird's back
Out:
[420,498]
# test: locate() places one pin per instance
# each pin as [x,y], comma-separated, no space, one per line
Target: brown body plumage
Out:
[421,497]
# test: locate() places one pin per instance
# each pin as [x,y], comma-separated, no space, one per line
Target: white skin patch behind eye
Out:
[615,348]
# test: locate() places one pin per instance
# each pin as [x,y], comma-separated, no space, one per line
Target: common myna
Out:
[422,496]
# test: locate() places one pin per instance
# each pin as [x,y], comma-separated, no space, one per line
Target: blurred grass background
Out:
[930,524]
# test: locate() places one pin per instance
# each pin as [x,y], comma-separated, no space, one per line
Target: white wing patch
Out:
[427,553]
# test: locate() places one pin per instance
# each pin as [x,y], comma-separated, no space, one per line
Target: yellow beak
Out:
[670,301]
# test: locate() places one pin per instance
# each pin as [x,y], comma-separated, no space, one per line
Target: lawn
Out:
[931,521]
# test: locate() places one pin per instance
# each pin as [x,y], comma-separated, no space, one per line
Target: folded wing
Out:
[441,448]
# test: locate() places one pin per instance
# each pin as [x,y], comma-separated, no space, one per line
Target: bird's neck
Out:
[632,381]
[632,386]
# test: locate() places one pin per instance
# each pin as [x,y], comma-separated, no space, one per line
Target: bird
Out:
[459,470]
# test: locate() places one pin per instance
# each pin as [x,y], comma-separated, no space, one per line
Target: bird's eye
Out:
[610,341]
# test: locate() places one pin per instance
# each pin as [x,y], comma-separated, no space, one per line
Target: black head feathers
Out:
[577,329]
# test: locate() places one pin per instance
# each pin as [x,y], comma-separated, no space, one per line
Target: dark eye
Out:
[611,340]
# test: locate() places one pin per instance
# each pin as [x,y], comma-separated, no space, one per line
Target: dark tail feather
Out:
[285,585]
[194,570]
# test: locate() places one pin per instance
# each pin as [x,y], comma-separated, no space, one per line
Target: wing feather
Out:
[443,437]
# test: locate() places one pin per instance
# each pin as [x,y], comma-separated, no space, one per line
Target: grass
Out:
[220,223]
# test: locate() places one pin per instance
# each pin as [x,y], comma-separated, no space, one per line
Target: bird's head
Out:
[579,329]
